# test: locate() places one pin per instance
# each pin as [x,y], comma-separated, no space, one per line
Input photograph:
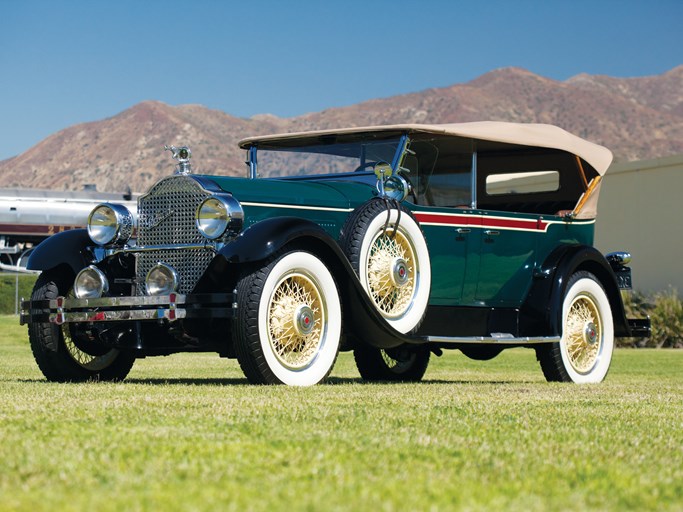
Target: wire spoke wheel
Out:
[296,320]
[584,353]
[85,360]
[401,364]
[91,362]
[288,325]
[392,270]
[388,251]
[583,333]
[68,352]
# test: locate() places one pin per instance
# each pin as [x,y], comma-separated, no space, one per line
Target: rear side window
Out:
[511,183]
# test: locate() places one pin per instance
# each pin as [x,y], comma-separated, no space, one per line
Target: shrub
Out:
[665,310]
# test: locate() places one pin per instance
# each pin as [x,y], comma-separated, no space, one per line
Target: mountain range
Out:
[637,118]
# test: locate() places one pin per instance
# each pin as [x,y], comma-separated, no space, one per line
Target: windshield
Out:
[334,158]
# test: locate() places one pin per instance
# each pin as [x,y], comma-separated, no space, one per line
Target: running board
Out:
[496,339]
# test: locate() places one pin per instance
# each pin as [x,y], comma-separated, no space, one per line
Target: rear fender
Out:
[541,313]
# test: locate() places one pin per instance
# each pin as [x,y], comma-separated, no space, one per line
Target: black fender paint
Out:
[68,247]
[254,246]
[541,313]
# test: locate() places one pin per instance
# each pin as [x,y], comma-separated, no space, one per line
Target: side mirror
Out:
[383,171]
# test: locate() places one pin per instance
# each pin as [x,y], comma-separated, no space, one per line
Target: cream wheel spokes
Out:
[296,320]
[88,361]
[391,272]
[583,333]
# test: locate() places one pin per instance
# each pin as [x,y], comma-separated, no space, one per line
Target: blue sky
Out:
[67,62]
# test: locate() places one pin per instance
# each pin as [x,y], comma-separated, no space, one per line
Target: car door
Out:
[505,256]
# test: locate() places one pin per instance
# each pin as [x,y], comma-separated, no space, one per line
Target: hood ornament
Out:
[182,155]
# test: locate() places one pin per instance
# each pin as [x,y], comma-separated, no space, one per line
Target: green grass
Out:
[12,288]
[186,433]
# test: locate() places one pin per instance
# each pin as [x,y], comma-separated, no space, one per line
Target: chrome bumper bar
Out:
[117,309]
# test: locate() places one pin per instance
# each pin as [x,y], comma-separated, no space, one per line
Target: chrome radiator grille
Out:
[166,216]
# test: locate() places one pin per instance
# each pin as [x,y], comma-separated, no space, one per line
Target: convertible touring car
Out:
[394,242]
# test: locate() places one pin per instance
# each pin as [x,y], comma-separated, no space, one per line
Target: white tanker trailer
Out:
[28,216]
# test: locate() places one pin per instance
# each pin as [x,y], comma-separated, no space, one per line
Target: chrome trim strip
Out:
[105,302]
[473,184]
[493,339]
[113,316]
[212,246]
[296,207]
[110,309]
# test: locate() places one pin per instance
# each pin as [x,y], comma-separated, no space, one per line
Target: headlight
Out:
[161,280]
[90,283]
[218,215]
[396,187]
[110,223]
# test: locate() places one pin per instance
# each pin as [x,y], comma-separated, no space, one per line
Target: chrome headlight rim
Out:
[169,274]
[218,216]
[396,187]
[110,223]
[90,283]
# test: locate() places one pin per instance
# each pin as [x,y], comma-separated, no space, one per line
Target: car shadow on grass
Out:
[349,380]
[332,381]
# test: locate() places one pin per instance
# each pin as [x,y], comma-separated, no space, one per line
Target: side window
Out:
[444,176]
[522,182]
[535,181]
[450,187]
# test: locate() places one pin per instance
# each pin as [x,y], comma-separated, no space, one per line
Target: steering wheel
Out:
[369,165]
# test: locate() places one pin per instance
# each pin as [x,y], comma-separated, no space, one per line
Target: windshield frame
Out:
[401,139]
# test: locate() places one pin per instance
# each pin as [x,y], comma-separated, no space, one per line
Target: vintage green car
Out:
[395,242]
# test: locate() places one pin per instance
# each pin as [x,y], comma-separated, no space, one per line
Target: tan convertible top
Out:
[538,135]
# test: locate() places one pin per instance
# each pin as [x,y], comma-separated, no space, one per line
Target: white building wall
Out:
[641,211]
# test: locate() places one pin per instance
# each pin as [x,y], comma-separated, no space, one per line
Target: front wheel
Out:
[401,364]
[288,324]
[584,353]
[67,352]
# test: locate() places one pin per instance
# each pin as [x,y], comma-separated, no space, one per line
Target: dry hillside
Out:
[635,117]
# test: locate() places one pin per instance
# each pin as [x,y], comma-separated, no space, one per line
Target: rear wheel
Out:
[584,353]
[67,353]
[401,364]
[288,325]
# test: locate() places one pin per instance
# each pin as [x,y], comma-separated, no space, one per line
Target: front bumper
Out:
[170,307]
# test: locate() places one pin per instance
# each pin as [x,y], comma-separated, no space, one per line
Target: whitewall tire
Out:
[584,353]
[392,262]
[288,325]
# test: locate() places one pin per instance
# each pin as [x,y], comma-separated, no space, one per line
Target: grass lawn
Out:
[186,433]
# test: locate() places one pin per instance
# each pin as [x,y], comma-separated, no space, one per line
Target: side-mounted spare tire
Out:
[388,251]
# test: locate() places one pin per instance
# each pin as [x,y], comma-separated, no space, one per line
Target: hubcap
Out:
[590,333]
[400,275]
[583,334]
[304,320]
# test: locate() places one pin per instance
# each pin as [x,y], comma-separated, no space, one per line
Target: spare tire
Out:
[391,260]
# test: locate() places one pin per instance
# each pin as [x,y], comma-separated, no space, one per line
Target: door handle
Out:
[463,231]
[491,232]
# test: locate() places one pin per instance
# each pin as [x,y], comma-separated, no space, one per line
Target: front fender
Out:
[262,240]
[268,236]
[541,313]
[68,247]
